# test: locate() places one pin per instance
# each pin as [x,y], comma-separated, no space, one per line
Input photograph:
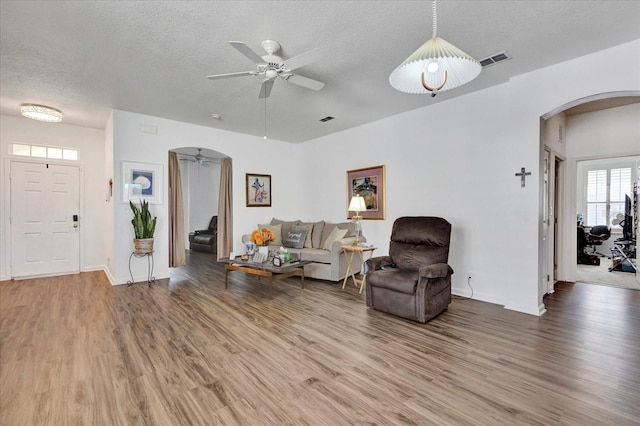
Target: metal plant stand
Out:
[150,278]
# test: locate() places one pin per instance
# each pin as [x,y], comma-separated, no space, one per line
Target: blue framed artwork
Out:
[142,181]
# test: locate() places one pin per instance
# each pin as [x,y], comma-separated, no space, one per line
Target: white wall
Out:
[108,213]
[248,154]
[440,161]
[457,159]
[555,134]
[90,144]
[611,132]
[537,93]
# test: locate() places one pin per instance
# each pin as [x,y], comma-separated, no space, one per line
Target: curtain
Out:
[176,214]
[225,210]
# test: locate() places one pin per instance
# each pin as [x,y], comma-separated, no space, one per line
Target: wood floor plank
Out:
[75,350]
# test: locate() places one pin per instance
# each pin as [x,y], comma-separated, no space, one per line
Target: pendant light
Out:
[435,67]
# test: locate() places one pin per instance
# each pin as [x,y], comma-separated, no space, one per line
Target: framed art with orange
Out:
[368,183]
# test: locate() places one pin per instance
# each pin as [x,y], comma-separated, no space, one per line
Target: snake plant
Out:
[143,224]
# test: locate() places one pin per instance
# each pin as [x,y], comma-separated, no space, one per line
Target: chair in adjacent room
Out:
[596,236]
[414,280]
[205,239]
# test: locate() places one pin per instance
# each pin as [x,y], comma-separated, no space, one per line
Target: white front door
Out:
[45,205]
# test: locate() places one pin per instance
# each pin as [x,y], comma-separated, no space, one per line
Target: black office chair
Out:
[596,236]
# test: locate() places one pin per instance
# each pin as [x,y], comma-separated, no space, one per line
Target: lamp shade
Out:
[441,62]
[41,113]
[357,204]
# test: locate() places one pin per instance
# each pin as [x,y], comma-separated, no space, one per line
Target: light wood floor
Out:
[77,351]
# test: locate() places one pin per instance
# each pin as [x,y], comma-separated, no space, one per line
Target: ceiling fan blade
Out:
[265,90]
[246,51]
[301,60]
[231,74]
[305,82]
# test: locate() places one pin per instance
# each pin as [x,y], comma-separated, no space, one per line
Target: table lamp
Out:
[357,205]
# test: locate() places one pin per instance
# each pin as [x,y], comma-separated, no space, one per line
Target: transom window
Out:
[38,151]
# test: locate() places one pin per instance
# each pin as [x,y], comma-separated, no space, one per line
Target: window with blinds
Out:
[606,189]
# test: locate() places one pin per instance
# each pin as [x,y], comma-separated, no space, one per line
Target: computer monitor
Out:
[627,223]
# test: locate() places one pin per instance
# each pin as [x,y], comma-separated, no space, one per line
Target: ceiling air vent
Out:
[494,59]
[327,118]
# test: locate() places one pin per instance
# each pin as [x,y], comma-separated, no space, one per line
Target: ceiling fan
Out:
[198,158]
[271,66]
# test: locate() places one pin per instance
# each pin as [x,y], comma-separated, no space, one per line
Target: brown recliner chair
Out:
[414,280]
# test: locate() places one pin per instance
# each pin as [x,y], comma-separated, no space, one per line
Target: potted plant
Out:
[143,226]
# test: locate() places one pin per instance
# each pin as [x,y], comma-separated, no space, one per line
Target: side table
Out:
[349,252]
[150,278]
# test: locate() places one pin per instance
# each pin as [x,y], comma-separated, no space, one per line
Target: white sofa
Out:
[330,265]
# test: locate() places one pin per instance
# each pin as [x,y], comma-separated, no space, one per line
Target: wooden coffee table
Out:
[266,269]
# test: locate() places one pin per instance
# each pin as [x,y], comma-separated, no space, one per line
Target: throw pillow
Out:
[350,227]
[277,231]
[285,226]
[335,235]
[304,227]
[295,239]
[315,234]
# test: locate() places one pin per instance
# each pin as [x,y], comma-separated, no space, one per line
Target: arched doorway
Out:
[558,248]
[202,170]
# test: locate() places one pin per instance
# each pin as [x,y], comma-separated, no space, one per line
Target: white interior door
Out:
[45,200]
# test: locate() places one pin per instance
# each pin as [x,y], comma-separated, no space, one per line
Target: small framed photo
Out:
[142,181]
[369,184]
[258,190]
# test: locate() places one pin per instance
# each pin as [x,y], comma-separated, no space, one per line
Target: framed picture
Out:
[142,181]
[368,183]
[258,190]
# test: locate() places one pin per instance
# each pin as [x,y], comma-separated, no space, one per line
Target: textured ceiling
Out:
[88,57]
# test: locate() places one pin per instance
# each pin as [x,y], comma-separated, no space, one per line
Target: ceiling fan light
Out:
[271,74]
[41,113]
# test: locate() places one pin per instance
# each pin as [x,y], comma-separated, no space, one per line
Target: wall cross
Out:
[523,174]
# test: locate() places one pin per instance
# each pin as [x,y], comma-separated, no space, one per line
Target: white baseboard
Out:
[465,292]
[531,310]
[125,280]
[462,292]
